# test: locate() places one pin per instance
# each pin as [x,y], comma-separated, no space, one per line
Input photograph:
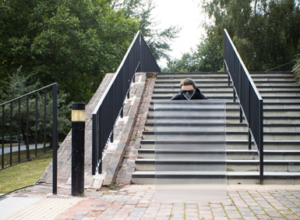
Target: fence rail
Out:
[29,115]
[251,102]
[137,59]
[284,67]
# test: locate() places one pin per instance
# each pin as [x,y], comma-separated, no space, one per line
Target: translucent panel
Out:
[190,151]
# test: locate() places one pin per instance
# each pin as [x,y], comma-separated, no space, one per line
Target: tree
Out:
[266,33]
[70,42]
[206,58]
[158,41]
[16,86]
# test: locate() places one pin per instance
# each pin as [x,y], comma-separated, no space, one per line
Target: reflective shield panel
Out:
[190,151]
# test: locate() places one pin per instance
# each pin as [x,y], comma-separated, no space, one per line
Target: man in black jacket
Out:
[188,91]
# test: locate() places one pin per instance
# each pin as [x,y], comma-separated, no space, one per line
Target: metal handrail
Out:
[251,102]
[289,63]
[137,58]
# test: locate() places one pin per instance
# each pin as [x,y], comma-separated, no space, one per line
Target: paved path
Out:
[134,202]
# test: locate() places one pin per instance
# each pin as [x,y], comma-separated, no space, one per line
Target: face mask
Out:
[188,94]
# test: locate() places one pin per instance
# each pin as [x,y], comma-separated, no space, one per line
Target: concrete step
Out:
[195,77]
[208,111]
[195,136]
[199,84]
[170,126]
[217,165]
[230,154]
[268,136]
[190,75]
[229,119]
[281,105]
[234,144]
[232,111]
[281,120]
[281,144]
[251,177]
[167,98]
[230,144]
[271,73]
[208,87]
[282,127]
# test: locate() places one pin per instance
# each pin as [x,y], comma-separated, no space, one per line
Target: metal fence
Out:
[137,59]
[28,116]
[251,102]
[284,67]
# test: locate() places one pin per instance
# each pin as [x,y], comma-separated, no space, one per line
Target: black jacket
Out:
[197,95]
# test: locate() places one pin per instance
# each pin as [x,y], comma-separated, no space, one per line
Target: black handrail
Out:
[7,126]
[251,102]
[137,59]
[284,67]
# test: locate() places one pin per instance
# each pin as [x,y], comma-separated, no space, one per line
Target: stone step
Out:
[167,98]
[251,177]
[236,144]
[195,136]
[281,105]
[170,126]
[281,120]
[212,133]
[229,91]
[200,85]
[229,119]
[217,165]
[270,77]
[230,111]
[230,154]
[282,127]
[195,77]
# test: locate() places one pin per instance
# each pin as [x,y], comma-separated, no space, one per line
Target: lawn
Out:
[23,174]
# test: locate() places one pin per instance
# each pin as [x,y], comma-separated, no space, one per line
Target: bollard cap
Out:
[78,112]
[78,106]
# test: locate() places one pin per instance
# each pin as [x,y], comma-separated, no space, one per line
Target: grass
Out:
[23,174]
[22,156]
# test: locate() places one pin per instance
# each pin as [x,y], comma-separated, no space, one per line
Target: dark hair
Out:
[186,82]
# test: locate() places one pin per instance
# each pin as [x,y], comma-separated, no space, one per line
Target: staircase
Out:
[281,128]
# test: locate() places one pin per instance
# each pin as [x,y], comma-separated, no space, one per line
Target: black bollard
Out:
[78,128]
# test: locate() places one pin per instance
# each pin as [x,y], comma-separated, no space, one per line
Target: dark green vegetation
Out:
[265,32]
[17,85]
[71,42]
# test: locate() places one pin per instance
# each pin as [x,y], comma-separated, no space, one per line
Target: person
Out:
[188,91]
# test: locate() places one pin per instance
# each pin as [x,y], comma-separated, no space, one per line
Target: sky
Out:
[186,14]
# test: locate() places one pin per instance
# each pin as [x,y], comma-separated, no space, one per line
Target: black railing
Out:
[251,102]
[284,67]
[137,59]
[26,117]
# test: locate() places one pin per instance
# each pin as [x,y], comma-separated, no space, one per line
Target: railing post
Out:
[78,129]
[2,156]
[261,142]
[94,144]
[54,141]
[249,140]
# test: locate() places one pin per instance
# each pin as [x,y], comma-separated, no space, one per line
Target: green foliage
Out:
[16,86]
[207,58]
[158,41]
[266,33]
[70,42]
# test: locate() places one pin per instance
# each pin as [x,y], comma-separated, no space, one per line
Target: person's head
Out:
[187,84]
